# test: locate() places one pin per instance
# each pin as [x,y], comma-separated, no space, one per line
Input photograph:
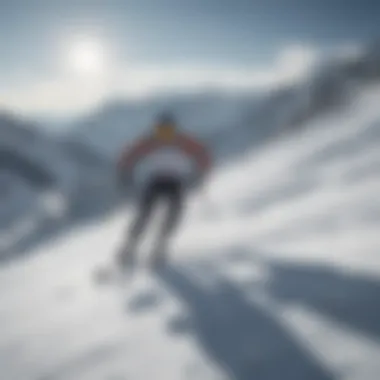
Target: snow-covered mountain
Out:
[334,84]
[43,178]
[33,155]
[275,274]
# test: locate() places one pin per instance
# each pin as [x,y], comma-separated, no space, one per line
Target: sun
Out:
[85,56]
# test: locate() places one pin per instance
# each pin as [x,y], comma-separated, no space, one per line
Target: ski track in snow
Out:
[275,276]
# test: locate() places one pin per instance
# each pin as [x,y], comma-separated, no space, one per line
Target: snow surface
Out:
[275,275]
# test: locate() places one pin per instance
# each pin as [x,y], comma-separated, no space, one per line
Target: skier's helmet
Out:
[165,127]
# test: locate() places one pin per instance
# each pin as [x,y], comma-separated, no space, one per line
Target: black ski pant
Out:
[168,189]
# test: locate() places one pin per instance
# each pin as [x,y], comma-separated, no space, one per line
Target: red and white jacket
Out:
[180,157]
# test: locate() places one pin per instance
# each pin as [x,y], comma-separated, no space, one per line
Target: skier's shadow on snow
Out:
[347,298]
[242,338]
[351,300]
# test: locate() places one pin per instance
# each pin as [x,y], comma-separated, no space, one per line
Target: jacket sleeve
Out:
[197,150]
[132,154]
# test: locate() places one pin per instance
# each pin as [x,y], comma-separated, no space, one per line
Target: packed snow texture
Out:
[274,275]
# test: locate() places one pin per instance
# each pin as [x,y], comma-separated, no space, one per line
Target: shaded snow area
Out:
[274,276]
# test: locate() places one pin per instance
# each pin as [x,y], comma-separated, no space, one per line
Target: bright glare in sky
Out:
[85,56]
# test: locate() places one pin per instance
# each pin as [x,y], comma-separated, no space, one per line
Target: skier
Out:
[164,165]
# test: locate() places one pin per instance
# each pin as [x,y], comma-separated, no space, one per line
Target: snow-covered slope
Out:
[63,161]
[44,180]
[275,276]
[42,151]
[32,169]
